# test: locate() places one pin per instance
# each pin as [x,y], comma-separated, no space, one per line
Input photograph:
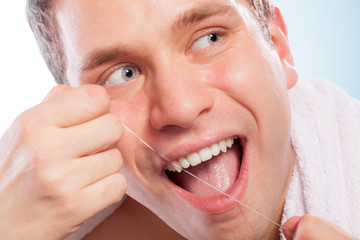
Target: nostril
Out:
[164,119]
[173,113]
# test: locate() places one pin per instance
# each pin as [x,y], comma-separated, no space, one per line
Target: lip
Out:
[222,203]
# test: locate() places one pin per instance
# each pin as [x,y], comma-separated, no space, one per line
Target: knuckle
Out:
[50,185]
[39,156]
[98,96]
[113,126]
[116,188]
[116,124]
[51,188]
[114,120]
[122,185]
[68,207]
[116,158]
[25,124]
[56,91]
[59,89]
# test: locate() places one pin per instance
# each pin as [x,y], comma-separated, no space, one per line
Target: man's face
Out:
[184,75]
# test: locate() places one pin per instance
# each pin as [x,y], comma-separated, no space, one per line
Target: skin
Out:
[53,174]
[302,227]
[241,72]
[65,153]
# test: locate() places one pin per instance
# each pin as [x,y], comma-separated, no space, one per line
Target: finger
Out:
[290,226]
[310,227]
[56,91]
[101,195]
[75,105]
[90,137]
[85,171]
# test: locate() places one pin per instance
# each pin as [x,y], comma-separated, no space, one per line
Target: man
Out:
[187,77]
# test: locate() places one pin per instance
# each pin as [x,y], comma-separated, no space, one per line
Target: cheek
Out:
[238,75]
[126,112]
[132,114]
[131,111]
[255,80]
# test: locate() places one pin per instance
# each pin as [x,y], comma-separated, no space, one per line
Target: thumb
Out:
[56,91]
[290,226]
[311,227]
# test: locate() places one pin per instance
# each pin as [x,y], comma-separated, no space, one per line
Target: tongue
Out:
[221,172]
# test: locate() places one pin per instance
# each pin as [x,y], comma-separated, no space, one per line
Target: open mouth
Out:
[218,164]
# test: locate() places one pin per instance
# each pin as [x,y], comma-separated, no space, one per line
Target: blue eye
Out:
[205,41]
[122,75]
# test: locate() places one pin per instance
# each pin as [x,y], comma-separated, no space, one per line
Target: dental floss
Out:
[241,203]
[145,143]
[203,181]
[139,138]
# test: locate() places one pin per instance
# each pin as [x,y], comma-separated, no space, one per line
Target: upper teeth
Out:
[200,156]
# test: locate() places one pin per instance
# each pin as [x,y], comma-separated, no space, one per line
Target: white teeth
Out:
[170,168]
[215,149]
[194,159]
[222,146]
[202,155]
[205,154]
[177,166]
[184,162]
[229,142]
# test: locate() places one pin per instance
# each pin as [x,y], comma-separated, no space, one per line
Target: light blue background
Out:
[325,39]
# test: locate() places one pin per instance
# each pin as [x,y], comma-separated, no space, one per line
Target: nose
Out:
[179,97]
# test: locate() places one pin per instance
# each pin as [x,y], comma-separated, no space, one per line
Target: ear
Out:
[279,36]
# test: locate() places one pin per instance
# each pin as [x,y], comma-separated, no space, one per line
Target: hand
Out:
[309,227]
[59,165]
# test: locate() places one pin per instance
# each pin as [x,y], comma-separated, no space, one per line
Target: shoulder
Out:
[321,107]
[320,89]
[322,98]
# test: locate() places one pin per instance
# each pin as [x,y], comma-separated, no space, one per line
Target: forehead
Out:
[130,15]
[144,7]
[85,13]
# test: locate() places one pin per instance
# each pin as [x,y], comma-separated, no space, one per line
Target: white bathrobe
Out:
[326,139]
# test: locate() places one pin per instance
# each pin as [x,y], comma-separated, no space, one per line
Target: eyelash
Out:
[221,32]
[106,75]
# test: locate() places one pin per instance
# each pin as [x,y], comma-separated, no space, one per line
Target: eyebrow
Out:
[101,56]
[202,12]
[188,17]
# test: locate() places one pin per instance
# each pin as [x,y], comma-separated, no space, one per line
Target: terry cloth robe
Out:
[326,139]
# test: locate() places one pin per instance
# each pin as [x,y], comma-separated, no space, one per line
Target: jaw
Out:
[217,215]
[202,196]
